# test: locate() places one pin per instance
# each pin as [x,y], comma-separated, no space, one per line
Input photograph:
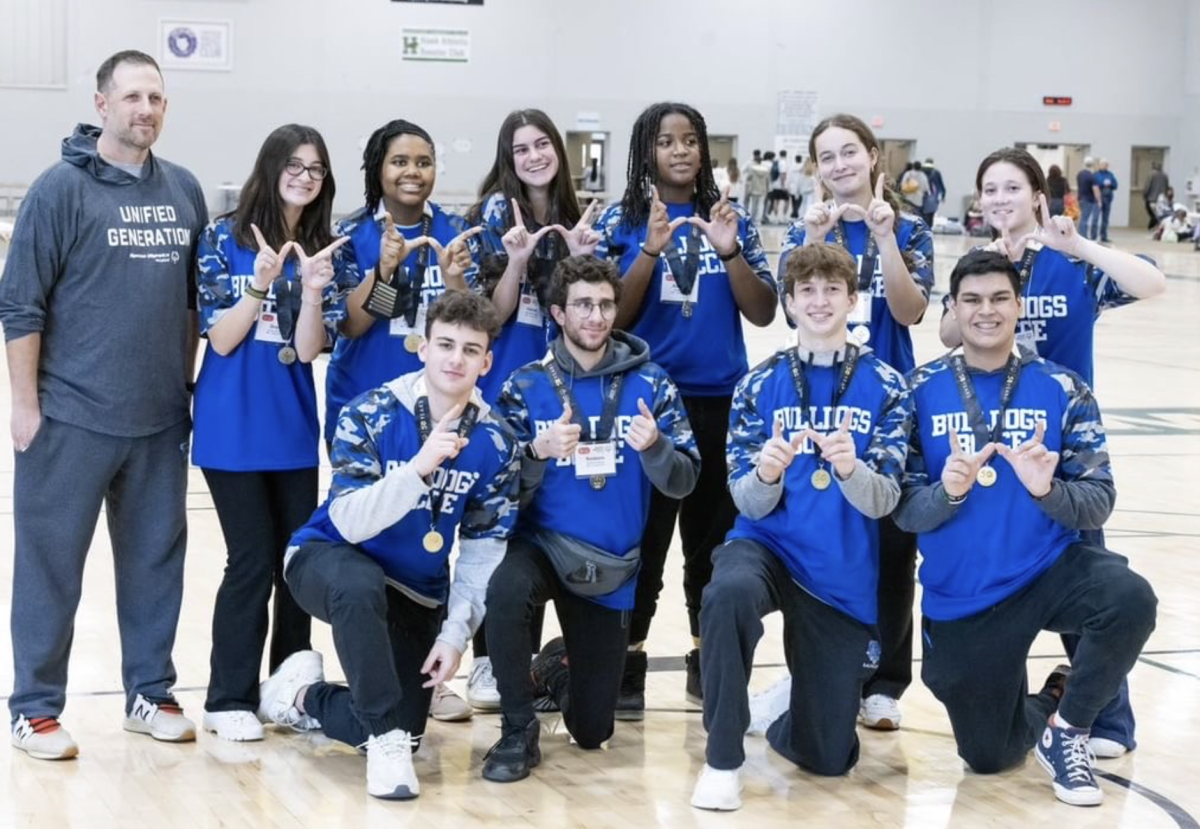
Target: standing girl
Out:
[526,203]
[894,252]
[272,285]
[693,266]
[409,251]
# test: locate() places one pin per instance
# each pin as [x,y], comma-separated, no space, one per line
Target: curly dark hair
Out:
[582,269]
[468,309]
[376,150]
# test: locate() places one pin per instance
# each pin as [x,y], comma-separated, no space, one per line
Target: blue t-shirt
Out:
[890,340]
[614,517]
[376,435]
[252,412]
[1107,182]
[706,353]
[1060,305]
[530,328]
[1000,539]
[830,548]
[379,353]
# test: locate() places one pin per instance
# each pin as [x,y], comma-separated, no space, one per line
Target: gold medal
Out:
[287,355]
[821,479]
[986,476]
[433,541]
[412,342]
[598,482]
[687,309]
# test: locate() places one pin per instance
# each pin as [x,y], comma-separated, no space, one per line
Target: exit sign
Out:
[1056,100]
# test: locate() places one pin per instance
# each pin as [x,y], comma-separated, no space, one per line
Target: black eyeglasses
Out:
[584,308]
[316,172]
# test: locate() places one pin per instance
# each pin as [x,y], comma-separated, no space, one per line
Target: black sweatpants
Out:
[382,639]
[897,589]
[705,516]
[976,665]
[828,653]
[595,637]
[258,512]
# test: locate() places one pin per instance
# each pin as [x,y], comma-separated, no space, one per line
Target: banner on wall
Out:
[205,45]
[796,118]
[438,45]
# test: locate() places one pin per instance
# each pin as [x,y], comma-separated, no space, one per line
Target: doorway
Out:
[721,148]
[1068,157]
[1141,167]
[587,155]
[897,152]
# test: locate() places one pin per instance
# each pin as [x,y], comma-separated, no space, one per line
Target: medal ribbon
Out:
[608,414]
[287,303]
[866,268]
[966,390]
[801,383]
[684,270]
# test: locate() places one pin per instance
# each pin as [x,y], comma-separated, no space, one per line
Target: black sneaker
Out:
[631,704]
[517,751]
[694,690]
[1056,682]
[550,673]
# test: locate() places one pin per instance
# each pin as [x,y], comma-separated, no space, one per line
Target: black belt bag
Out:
[584,568]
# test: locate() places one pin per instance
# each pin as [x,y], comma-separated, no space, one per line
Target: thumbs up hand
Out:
[643,429]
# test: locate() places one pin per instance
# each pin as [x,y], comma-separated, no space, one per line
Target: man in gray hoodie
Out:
[95,304]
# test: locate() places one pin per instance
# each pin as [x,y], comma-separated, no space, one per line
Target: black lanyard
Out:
[866,268]
[608,414]
[966,390]
[391,298]
[540,269]
[425,427]
[1026,268]
[416,281]
[801,382]
[287,303]
[684,269]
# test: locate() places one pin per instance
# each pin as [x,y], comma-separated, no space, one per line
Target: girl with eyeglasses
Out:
[272,282]
[692,265]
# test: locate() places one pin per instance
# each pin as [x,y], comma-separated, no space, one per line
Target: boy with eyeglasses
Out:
[602,427]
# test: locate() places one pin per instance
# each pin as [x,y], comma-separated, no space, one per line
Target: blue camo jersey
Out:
[612,518]
[378,433]
[706,354]
[1061,303]
[999,540]
[379,355]
[890,340]
[252,412]
[530,328]
[830,548]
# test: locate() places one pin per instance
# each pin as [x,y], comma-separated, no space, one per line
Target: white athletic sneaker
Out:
[43,738]
[769,706]
[238,726]
[448,706]
[880,712]
[1106,749]
[390,773]
[161,720]
[277,696]
[481,685]
[718,790]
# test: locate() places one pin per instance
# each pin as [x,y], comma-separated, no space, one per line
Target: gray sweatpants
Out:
[60,482]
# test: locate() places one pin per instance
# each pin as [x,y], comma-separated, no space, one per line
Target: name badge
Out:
[529,310]
[670,291]
[599,458]
[266,330]
[861,315]
[1026,338]
[399,326]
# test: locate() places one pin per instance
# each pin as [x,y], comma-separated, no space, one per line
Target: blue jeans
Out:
[1105,208]
[1088,216]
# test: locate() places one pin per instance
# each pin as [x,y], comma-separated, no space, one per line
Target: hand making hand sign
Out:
[721,227]
[961,469]
[837,447]
[518,242]
[822,216]
[394,248]
[880,217]
[268,264]
[777,454]
[1032,461]
[455,258]
[316,271]
[660,228]
[443,443]
[581,239]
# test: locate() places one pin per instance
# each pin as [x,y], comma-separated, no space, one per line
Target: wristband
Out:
[733,254]
[250,290]
[952,500]
[648,253]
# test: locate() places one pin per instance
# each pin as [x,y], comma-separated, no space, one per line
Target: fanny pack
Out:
[584,568]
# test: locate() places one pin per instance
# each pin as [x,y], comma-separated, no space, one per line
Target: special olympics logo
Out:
[182,42]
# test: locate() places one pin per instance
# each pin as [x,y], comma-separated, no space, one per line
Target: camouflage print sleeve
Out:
[606,226]
[491,510]
[923,506]
[888,450]
[748,432]
[355,457]
[512,409]
[1106,292]
[345,279]
[215,293]
[752,247]
[920,250]
[672,463]
[1082,495]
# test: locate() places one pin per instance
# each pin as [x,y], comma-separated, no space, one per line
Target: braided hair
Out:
[376,151]
[642,170]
